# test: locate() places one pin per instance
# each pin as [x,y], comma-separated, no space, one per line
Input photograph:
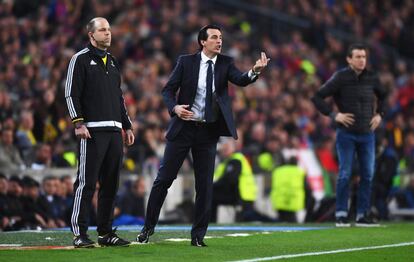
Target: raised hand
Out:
[261,63]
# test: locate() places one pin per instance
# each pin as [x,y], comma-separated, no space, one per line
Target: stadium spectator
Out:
[4,214]
[234,184]
[67,193]
[56,208]
[25,139]
[15,209]
[43,157]
[63,155]
[46,115]
[289,192]
[408,155]
[10,160]
[271,157]
[254,144]
[6,109]
[132,204]
[386,170]
[35,207]
[405,195]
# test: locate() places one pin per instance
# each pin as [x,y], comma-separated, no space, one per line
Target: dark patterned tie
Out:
[209,92]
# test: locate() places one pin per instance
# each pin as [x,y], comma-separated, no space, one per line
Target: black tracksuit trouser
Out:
[99,159]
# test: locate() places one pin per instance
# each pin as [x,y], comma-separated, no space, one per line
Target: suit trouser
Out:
[203,146]
[100,159]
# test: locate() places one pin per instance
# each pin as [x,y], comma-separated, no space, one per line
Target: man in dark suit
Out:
[201,113]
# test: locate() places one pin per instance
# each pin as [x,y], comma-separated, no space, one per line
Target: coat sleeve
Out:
[126,121]
[169,91]
[328,89]
[237,77]
[381,94]
[75,81]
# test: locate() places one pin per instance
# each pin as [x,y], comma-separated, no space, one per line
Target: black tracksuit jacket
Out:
[354,94]
[93,94]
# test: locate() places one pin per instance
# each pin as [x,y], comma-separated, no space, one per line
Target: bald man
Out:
[97,109]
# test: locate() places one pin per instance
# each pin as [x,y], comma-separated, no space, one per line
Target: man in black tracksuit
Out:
[96,107]
[354,90]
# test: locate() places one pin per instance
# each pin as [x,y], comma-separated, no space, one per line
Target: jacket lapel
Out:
[196,69]
[217,71]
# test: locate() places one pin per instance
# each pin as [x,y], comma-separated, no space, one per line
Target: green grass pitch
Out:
[222,247]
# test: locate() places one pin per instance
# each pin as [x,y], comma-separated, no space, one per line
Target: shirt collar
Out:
[205,58]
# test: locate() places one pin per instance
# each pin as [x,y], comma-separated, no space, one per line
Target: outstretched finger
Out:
[265,58]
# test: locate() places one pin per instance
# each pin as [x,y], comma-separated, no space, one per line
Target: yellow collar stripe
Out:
[104,59]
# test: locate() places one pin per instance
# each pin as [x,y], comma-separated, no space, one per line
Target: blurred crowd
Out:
[27,204]
[381,22]
[37,39]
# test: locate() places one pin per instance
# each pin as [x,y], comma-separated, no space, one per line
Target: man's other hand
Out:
[82,132]
[347,119]
[183,113]
[129,137]
[375,122]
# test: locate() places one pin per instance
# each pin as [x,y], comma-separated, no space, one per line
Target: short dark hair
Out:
[202,34]
[15,178]
[29,182]
[356,46]
[48,178]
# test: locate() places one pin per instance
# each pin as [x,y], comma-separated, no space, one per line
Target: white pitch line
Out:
[177,239]
[325,252]
[239,235]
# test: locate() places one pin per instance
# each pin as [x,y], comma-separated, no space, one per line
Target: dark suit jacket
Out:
[184,79]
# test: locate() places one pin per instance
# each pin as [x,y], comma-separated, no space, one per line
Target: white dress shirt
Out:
[199,105]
